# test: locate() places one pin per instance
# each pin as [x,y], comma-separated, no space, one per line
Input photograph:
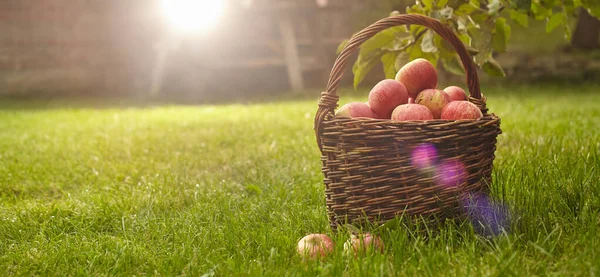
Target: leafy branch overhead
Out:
[480,24]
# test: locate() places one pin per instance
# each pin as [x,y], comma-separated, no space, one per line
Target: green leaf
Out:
[494,6]
[595,11]
[462,22]
[592,6]
[428,4]
[466,39]
[427,44]
[443,45]
[415,52]
[403,37]
[431,57]
[415,9]
[554,21]
[399,44]
[520,18]
[415,29]
[482,41]
[493,68]
[468,8]
[472,51]
[501,35]
[453,65]
[389,64]
[521,5]
[401,60]
[465,9]
[567,31]
[372,50]
[441,3]
[448,56]
[549,4]
[478,19]
[341,46]
[540,11]
[363,65]
[384,39]
[442,14]
[456,3]
[381,39]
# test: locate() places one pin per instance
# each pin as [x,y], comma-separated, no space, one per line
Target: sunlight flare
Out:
[192,16]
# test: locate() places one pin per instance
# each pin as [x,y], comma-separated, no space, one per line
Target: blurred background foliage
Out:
[485,27]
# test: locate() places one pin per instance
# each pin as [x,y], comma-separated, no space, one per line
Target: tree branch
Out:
[417,37]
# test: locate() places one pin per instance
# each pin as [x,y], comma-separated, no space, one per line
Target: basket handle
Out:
[329,98]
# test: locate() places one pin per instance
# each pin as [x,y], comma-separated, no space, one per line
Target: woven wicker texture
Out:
[369,165]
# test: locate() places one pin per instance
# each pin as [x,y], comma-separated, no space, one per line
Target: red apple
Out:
[364,243]
[355,109]
[315,246]
[461,110]
[411,100]
[456,93]
[434,99]
[387,95]
[411,112]
[417,76]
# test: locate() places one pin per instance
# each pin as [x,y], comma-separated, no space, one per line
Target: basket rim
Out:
[329,98]
[486,117]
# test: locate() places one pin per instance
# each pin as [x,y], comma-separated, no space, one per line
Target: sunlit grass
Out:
[229,189]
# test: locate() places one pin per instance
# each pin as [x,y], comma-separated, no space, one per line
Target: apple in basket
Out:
[417,76]
[387,95]
[355,109]
[461,110]
[411,112]
[363,243]
[434,99]
[456,93]
[315,246]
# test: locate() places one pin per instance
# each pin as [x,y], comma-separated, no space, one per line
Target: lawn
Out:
[227,190]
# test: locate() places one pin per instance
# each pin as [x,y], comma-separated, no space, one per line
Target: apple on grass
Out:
[417,76]
[363,243]
[456,93]
[315,246]
[411,112]
[434,99]
[456,110]
[385,96]
[355,109]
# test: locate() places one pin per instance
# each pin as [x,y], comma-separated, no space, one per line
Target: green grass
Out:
[228,190]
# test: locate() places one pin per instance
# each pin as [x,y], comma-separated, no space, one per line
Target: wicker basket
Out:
[370,174]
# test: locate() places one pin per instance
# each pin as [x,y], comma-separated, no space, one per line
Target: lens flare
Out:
[322,3]
[450,173]
[424,156]
[191,16]
[488,218]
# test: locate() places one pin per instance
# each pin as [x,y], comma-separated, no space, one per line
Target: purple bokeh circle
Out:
[450,173]
[424,156]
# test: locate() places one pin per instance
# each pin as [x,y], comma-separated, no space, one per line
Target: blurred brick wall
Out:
[110,47]
[73,46]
